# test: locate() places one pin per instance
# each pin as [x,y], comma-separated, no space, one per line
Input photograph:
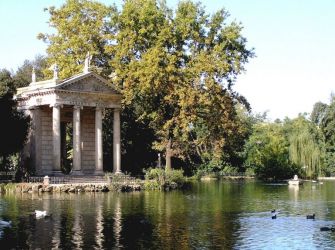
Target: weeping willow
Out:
[305,152]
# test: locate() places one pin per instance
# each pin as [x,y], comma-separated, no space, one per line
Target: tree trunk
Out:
[168,156]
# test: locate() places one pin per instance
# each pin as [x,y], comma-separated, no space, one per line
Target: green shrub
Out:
[229,170]
[249,172]
[176,176]
[157,178]
[152,185]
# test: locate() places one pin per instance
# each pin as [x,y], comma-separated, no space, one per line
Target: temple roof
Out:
[84,80]
[87,89]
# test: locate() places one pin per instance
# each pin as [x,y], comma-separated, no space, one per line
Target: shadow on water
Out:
[216,214]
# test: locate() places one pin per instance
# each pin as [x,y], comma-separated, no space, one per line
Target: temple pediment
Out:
[87,83]
[85,89]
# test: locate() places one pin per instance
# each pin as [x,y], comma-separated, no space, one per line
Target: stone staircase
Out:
[69,179]
[94,179]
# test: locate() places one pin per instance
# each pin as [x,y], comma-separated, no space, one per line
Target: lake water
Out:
[210,215]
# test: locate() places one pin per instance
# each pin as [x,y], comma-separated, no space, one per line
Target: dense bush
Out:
[158,178]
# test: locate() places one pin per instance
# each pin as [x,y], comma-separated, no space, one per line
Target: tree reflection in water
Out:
[210,215]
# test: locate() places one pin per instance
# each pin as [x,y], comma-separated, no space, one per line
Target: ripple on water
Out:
[259,231]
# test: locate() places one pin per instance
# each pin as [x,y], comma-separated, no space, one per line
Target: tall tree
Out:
[82,26]
[267,152]
[318,113]
[22,76]
[306,143]
[176,69]
[14,124]
[327,125]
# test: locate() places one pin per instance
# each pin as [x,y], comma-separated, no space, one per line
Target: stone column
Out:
[56,137]
[116,142]
[98,141]
[33,148]
[76,139]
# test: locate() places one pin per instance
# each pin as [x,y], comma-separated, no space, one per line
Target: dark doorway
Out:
[66,147]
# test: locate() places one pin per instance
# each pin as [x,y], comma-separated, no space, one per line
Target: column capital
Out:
[56,105]
[33,107]
[99,108]
[78,107]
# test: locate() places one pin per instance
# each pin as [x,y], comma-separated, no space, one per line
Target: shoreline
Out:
[68,188]
[326,178]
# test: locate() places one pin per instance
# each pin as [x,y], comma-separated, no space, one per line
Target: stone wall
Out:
[88,140]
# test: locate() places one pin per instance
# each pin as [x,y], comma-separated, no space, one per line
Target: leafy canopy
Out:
[81,26]
[267,152]
[175,69]
[14,124]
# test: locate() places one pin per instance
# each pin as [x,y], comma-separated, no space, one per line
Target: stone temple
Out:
[77,102]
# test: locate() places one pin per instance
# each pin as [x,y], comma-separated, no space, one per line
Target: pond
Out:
[216,214]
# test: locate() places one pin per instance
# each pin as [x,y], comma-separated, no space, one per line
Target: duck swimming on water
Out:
[274,214]
[5,223]
[310,217]
[40,214]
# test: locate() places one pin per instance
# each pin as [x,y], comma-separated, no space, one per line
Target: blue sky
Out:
[294,42]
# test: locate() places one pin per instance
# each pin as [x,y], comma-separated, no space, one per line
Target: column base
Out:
[99,172]
[117,172]
[57,173]
[76,172]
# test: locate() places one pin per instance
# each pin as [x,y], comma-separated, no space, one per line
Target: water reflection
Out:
[117,222]
[211,215]
[293,192]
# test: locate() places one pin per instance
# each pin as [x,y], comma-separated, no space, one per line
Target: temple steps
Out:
[94,179]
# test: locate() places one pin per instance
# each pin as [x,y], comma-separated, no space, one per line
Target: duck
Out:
[273,211]
[274,216]
[5,223]
[40,214]
[311,217]
[327,229]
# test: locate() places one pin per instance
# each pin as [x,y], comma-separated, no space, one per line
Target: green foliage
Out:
[174,68]
[279,150]
[175,176]
[306,143]
[82,26]
[249,172]
[22,76]
[324,117]
[136,143]
[267,152]
[14,124]
[229,171]
[155,178]
[158,178]
[318,113]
